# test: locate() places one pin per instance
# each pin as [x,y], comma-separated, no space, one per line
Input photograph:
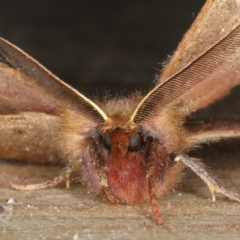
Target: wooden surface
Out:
[61,213]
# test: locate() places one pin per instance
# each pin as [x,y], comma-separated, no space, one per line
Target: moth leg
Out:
[201,170]
[153,200]
[152,164]
[64,176]
[47,184]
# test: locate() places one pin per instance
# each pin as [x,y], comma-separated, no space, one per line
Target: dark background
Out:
[99,45]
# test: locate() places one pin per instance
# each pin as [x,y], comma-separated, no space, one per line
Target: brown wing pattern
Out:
[215,20]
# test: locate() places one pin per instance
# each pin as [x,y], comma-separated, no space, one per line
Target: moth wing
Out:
[162,109]
[30,136]
[18,93]
[215,20]
[213,130]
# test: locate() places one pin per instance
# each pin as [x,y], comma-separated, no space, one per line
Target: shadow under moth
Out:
[131,149]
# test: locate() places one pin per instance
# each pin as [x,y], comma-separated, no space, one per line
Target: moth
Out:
[131,149]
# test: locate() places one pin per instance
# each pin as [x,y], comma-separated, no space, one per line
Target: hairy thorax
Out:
[123,160]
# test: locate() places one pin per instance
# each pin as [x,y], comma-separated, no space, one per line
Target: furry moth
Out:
[131,149]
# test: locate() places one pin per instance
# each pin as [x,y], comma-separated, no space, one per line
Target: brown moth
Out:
[132,149]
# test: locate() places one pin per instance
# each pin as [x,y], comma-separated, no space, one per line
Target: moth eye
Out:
[147,138]
[135,142]
[106,141]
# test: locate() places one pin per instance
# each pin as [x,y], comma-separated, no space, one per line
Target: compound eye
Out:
[106,141]
[135,142]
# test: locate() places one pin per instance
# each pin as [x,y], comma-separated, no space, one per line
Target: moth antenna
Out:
[201,170]
[188,77]
[64,93]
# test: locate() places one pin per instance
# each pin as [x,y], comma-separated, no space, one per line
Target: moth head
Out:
[124,157]
[119,136]
[122,141]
